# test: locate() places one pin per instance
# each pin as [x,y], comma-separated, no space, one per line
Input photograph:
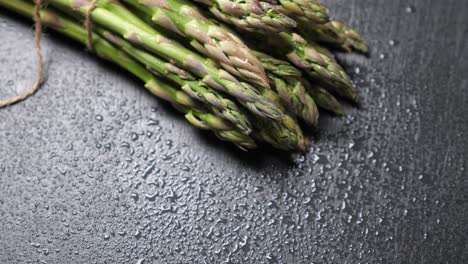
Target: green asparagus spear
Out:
[155,42]
[210,40]
[195,112]
[283,134]
[323,98]
[303,11]
[351,37]
[335,34]
[318,63]
[189,83]
[287,83]
[320,96]
[249,15]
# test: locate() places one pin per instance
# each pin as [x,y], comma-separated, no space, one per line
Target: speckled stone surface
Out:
[95,170]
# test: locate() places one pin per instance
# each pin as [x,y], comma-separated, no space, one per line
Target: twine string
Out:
[89,25]
[40,68]
[37,37]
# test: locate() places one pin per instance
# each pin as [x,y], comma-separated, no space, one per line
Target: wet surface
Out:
[95,170]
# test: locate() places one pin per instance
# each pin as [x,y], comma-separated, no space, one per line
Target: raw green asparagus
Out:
[323,98]
[250,15]
[319,65]
[186,53]
[303,11]
[335,34]
[210,40]
[286,81]
[283,134]
[189,83]
[195,112]
[160,45]
[351,37]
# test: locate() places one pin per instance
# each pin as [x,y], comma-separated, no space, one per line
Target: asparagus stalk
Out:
[155,42]
[335,34]
[249,15]
[303,11]
[115,7]
[323,98]
[274,134]
[283,134]
[225,107]
[318,63]
[287,83]
[209,39]
[352,38]
[223,130]
[195,113]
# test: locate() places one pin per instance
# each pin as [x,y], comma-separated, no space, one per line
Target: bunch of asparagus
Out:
[200,57]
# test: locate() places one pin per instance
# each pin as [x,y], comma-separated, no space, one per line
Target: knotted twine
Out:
[89,25]
[37,38]
[40,69]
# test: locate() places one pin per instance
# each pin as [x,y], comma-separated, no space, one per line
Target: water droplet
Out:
[409,9]
[134,196]
[151,196]
[392,42]
[99,118]
[315,158]
[382,56]
[137,234]
[357,70]
[153,122]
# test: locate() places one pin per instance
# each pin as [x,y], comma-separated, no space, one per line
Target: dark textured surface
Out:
[94,170]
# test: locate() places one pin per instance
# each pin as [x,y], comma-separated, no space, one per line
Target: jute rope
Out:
[40,68]
[89,25]
[37,36]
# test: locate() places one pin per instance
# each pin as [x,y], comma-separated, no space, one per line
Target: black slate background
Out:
[94,170]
